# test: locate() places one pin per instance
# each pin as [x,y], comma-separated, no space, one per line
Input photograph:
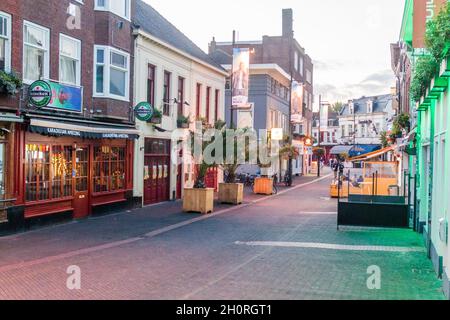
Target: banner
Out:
[323,117]
[240,72]
[424,11]
[65,97]
[297,102]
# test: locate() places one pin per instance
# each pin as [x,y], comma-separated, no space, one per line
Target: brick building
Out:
[73,154]
[272,62]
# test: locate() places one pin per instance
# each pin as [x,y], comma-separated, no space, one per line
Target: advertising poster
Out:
[241,65]
[297,102]
[65,97]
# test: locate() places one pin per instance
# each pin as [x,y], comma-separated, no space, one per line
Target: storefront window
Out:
[109,168]
[61,160]
[37,171]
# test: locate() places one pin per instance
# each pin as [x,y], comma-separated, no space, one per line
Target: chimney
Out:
[288,23]
[212,46]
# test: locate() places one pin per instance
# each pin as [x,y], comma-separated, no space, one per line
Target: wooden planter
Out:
[263,185]
[198,200]
[232,193]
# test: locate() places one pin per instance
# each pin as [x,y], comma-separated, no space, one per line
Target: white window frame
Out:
[78,71]
[107,7]
[7,16]
[46,51]
[106,73]
[301,65]
[296,60]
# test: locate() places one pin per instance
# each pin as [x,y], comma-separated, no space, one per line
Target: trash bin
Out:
[394,190]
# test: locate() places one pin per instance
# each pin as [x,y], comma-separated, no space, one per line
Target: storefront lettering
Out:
[64,132]
[430,9]
[115,136]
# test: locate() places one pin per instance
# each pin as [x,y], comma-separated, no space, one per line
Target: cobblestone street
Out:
[282,247]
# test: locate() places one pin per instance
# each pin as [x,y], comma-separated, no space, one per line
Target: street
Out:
[280,247]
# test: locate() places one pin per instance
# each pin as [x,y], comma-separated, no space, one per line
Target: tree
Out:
[337,107]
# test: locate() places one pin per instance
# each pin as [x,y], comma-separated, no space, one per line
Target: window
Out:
[111,73]
[119,7]
[208,103]
[151,84]
[308,76]
[216,106]
[300,66]
[166,93]
[5,42]
[198,101]
[109,168]
[296,62]
[48,172]
[180,97]
[69,60]
[36,42]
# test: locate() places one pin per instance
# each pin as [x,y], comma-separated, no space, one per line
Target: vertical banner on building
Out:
[245,118]
[297,102]
[323,117]
[424,11]
[241,69]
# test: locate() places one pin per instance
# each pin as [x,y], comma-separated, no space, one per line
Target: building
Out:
[68,141]
[274,62]
[328,123]
[177,78]
[425,151]
[362,122]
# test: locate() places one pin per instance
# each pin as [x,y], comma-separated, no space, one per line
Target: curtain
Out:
[68,70]
[34,61]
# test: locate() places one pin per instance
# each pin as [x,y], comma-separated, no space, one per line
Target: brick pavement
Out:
[202,260]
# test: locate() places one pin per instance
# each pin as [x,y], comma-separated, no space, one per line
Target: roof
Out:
[380,104]
[152,22]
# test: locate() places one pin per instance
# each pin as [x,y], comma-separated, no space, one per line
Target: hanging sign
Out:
[144,111]
[40,93]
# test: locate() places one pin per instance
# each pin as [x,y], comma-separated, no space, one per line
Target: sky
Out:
[348,40]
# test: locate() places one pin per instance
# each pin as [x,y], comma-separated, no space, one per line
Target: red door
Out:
[81,174]
[211,178]
[156,179]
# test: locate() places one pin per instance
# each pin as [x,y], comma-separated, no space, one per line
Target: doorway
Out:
[156,171]
[81,176]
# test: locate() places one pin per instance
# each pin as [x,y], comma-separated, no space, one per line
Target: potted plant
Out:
[10,83]
[183,122]
[199,198]
[157,117]
[231,191]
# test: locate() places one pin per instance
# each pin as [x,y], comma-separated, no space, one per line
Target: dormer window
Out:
[351,107]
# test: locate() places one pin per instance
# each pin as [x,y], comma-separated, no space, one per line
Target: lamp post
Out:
[231,80]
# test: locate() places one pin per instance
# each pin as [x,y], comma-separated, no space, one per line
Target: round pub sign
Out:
[144,111]
[40,93]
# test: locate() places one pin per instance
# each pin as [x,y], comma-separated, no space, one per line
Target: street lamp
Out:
[321,103]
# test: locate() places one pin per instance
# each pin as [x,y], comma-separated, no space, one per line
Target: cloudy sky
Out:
[347,39]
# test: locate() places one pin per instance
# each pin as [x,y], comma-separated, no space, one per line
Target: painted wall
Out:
[150,52]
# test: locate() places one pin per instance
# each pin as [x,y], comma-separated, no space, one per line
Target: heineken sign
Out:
[40,93]
[143,111]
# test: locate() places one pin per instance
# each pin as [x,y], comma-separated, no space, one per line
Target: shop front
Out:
[7,164]
[73,167]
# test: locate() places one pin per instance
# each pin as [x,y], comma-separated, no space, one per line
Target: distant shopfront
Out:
[72,166]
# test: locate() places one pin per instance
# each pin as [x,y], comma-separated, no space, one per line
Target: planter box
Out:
[263,185]
[183,125]
[198,200]
[156,120]
[232,193]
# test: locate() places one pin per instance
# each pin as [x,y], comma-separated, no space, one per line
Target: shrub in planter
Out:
[183,122]
[157,117]
[10,83]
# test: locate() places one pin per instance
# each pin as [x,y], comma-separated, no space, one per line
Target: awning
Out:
[340,150]
[373,154]
[362,149]
[81,130]
[10,117]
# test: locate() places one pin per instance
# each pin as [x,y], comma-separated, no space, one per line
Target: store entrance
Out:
[81,175]
[156,171]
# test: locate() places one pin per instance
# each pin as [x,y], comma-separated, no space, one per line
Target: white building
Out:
[177,78]
[362,121]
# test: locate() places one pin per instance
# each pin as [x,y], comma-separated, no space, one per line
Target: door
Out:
[179,176]
[81,176]
[157,182]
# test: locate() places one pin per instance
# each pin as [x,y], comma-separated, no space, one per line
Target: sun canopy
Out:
[340,150]
[362,149]
[372,155]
